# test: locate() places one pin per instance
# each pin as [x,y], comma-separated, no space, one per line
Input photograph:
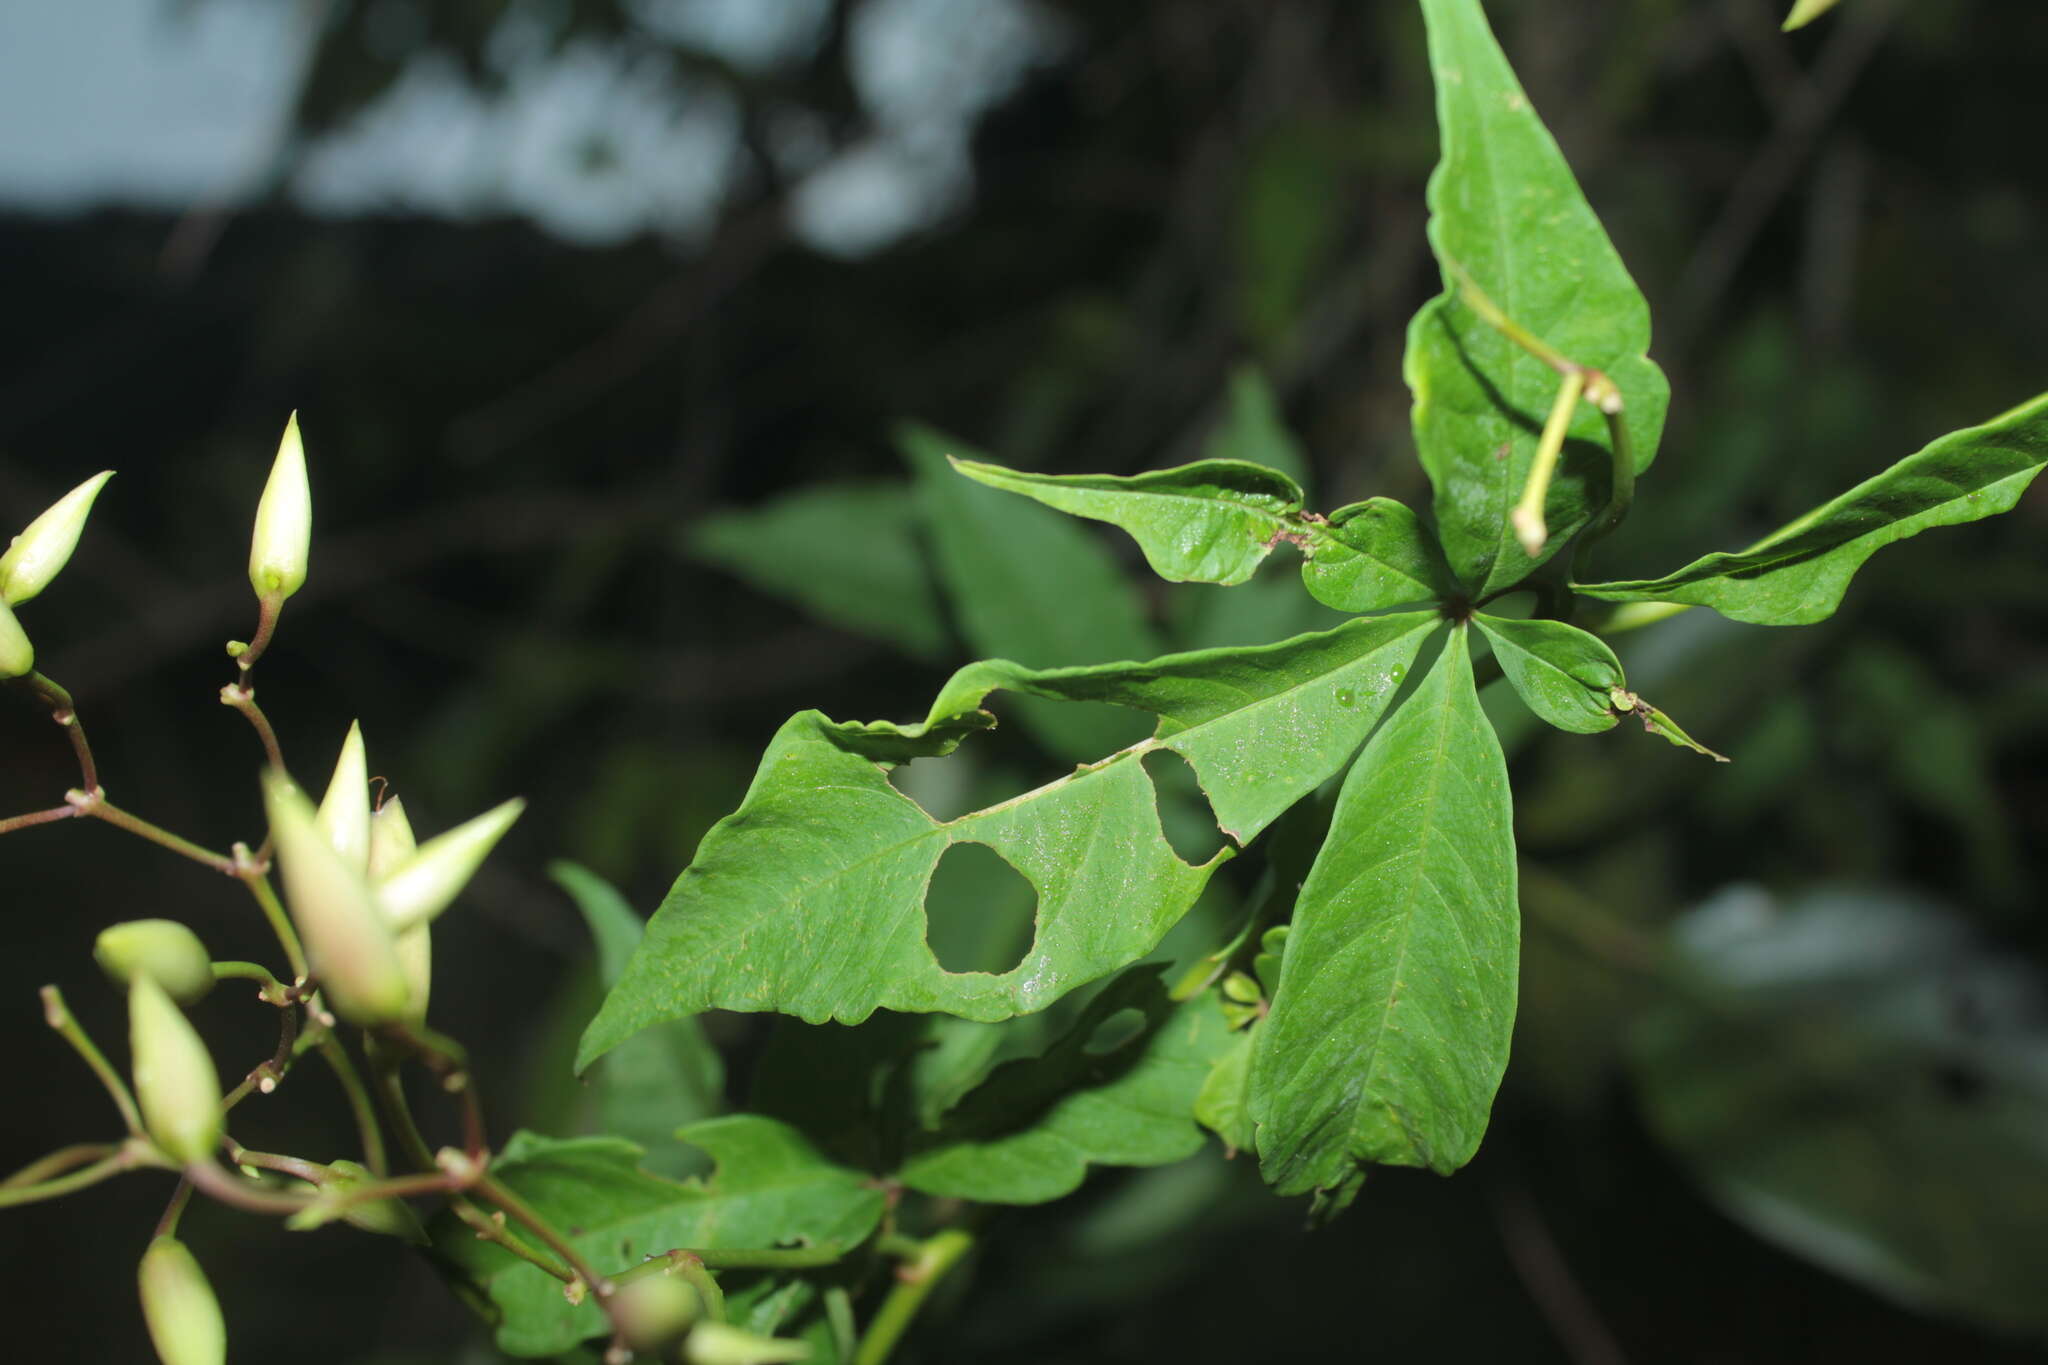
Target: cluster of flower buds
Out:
[363,893]
[32,560]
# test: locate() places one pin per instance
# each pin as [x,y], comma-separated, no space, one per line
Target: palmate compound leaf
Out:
[1215,521]
[1798,574]
[1119,1089]
[809,899]
[1389,1032]
[1505,208]
[771,1189]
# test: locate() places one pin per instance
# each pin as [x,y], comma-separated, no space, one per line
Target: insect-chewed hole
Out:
[1184,814]
[1114,1032]
[980,914]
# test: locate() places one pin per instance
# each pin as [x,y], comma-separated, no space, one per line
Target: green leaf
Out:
[1251,429]
[1564,675]
[808,899]
[1103,1095]
[1216,521]
[1261,725]
[1026,583]
[771,1189]
[1389,1032]
[847,553]
[1798,574]
[1372,555]
[667,1077]
[1223,1105]
[1856,1078]
[1210,522]
[1805,12]
[1504,207]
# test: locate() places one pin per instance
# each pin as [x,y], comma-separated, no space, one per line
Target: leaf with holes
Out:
[1505,208]
[809,898]
[1118,1090]
[771,1189]
[1389,1032]
[1798,574]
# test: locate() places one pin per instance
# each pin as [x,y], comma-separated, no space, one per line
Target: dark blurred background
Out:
[567,291]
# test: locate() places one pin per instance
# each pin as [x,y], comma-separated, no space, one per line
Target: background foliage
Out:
[545,469]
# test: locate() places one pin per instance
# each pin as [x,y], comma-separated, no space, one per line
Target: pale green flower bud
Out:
[17,655]
[163,950]
[427,883]
[718,1343]
[345,810]
[656,1310]
[391,843]
[284,522]
[41,551]
[391,839]
[185,1323]
[175,1083]
[348,941]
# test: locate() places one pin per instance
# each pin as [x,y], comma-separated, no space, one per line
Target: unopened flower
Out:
[41,551]
[185,1323]
[176,1085]
[349,942]
[284,522]
[163,950]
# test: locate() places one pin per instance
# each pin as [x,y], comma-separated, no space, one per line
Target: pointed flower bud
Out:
[345,810]
[284,522]
[655,1310]
[391,843]
[185,1323]
[17,655]
[39,552]
[718,1343]
[348,940]
[163,950]
[175,1083]
[427,883]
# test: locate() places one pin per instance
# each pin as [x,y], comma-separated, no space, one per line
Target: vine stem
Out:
[914,1284]
[60,1161]
[65,713]
[58,1016]
[478,1176]
[95,804]
[127,1157]
[37,817]
[268,607]
[242,697]
[253,872]
[390,1093]
[336,1056]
